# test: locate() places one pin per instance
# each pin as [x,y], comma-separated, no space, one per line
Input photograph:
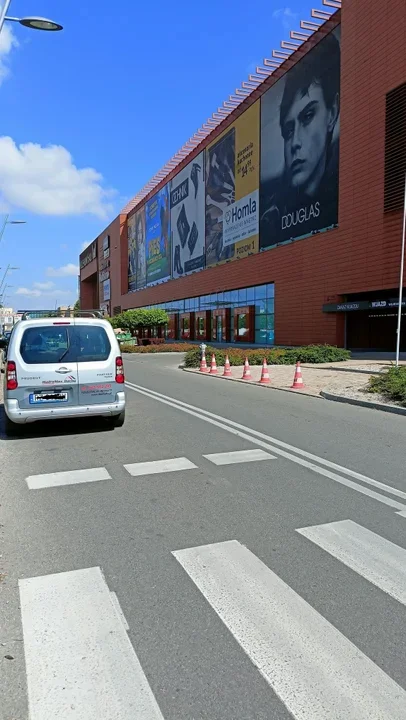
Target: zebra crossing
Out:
[153,467]
[81,663]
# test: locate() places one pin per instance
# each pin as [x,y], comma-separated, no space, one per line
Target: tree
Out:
[76,306]
[141,317]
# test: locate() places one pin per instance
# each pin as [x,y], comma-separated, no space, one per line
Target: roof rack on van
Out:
[39,314]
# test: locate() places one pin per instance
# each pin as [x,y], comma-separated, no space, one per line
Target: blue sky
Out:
[91,113]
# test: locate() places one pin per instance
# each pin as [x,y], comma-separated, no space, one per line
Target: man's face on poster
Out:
[307,130]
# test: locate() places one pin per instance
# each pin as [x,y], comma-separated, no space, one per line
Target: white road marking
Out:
[71,477]
[378,560]
[298,458]
[316,671]
[160,466]
[80,661]
[117,607]
[239,456]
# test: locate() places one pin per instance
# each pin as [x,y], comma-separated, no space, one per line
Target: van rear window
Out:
[54,344]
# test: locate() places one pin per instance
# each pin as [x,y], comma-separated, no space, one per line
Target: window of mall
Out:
[234,316]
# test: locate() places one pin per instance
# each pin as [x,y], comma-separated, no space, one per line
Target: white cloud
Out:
[45,181]
[68,270]
[286,15]
[36,292]
[44,285]
[8,41]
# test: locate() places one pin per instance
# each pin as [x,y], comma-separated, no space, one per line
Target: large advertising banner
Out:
[232,190]
[158,238]
[300,132]
[187,218]
[137,267]
[132,272]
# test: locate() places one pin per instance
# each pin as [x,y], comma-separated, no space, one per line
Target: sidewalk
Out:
[345,381]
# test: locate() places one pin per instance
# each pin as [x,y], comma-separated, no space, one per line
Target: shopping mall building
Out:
[280,220]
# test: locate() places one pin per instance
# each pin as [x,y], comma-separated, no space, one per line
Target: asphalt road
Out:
[221,609]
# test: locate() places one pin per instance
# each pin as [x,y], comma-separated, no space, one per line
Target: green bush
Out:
[391,384]
[274,356]
[148,349]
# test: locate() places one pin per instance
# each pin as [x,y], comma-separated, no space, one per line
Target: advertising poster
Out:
[158,228]
[187,218]
[137,264]
[132,272]
[232,191]
[300,132]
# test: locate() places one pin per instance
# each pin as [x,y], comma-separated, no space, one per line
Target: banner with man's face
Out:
[300,131]
[232,191]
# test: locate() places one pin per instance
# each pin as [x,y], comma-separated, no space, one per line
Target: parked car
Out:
[60,368]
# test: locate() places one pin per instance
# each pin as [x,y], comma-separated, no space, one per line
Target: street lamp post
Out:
[35,23]
[402,267]
[9,222]
[7,270]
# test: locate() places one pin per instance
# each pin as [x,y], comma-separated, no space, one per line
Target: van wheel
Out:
[117,421]
[11,429]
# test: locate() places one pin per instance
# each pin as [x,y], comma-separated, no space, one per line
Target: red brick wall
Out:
[363,253]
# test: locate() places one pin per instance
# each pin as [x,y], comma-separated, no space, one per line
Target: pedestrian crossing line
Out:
[239,456]
[70,477]
[79,659]
[160,466]
[315,670]
[378,560]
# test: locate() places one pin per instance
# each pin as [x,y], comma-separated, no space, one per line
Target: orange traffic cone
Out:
[247,371]
[203,364]
[298,383]
[227,368]
[265,379]
[213,366]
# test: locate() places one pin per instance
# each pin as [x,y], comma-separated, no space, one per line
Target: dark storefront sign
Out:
[88,255]
[362,305]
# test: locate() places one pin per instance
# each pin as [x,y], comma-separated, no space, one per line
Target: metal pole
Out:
[402,266]
[4,223]
[3,13]
[4,276]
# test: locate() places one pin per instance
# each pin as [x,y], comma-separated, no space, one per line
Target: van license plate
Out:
[49,397]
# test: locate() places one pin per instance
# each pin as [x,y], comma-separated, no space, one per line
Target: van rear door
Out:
[47,371]
[96,363]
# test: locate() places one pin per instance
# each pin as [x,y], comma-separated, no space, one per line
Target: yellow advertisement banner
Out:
[232,190]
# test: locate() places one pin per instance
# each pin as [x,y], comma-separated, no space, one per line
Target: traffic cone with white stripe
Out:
[213,366]
[203,364]
[227,368]
[298,383]
[247,371]
[265,379]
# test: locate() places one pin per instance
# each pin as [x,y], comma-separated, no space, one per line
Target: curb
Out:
[252,383]
[395,409]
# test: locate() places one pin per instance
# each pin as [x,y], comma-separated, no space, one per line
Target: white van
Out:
[57,368]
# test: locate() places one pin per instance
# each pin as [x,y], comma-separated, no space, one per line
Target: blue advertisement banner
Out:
[158,237]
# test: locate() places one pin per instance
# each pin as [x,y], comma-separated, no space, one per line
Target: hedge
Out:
[391,384]
[166,347]
[275,356]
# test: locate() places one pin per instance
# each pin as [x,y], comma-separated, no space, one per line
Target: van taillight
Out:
[11,376]
[119,370]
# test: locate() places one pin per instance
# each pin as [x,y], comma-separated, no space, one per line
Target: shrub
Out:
[391,384]
[274,356]
[166,347]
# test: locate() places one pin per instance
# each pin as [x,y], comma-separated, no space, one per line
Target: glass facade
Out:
[261,297]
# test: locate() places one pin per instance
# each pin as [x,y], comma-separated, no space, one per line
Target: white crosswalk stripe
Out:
[316,671]
[70,477]
[80,661]
[239,456]
[160,466]
[381,562]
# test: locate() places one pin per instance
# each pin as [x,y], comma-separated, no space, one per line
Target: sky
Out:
[89,114]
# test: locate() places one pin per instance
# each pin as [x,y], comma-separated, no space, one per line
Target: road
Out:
[259,573]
